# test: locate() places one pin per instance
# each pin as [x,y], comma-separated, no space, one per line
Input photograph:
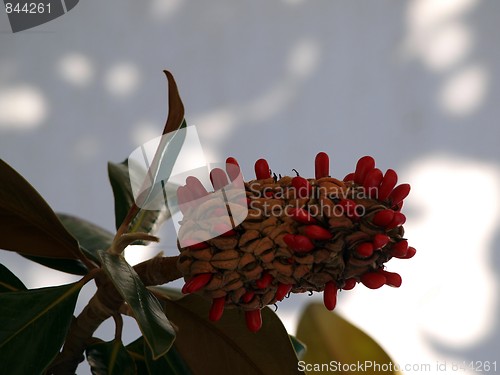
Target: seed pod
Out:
[349,207]
[322,165]
[196,283]
[400,249]
[248,296]
[373,280]
[364,165]
[380,240]
[253,319]
[217,309]
[365,249]
[399,193]
[349,284]
[302,187]
[298,243]
[410,253]
[282,291]
[330,295]
[262,170]
[389,181]
[315,232]
[383,217]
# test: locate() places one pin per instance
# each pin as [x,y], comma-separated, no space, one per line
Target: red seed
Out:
[184,196]
[282,291]
[298,243]
[398,220]
[248,296]
[389,181]
[232,168]
[349,177]
[373,280]
[349,208]
[330,295]
[349,284]
[363,166]
[222,229]
[380,240]
[383,218]
[399,193]
[372,182]
[196,187]
[322,165]
[410,253]
[365,249]
[196,283]
[315,232]
[264,281]
[198,246]
[218,178]
[254,320]
[399,249]
[302,216]
[217,309]
[392,278]
[262,170]
[301,186]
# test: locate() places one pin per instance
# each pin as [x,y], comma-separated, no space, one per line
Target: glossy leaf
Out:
[72,266]
[227,346]
[27,223]
[90,236]
[299,347]
[147,221]
[329,337]
[171,363]
[33,326]
[154,325]
[8,281]
[110,358]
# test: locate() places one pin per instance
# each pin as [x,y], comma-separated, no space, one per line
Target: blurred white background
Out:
[412,83]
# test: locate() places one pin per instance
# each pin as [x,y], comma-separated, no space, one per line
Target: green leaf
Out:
[110,358]
[136,351]
[299,347]
[228,347]
[148,313]
[90,236]
[171,363]
[329,337]
[147,221]
[8,281]
[27,223]
[72,266]
[33,326]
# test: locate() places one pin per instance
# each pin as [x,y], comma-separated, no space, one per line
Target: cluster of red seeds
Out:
[372,237]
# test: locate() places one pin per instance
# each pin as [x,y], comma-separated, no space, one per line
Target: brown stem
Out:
[105,303]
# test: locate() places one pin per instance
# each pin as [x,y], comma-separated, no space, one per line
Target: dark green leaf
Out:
[27,223]
[110,358]
[299,347]
[90,237]
[33,325]
[8,281]
[136,351]
[147,221]
[329,337]
[73,266]
[171,363]
[227,347]
[148,313]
